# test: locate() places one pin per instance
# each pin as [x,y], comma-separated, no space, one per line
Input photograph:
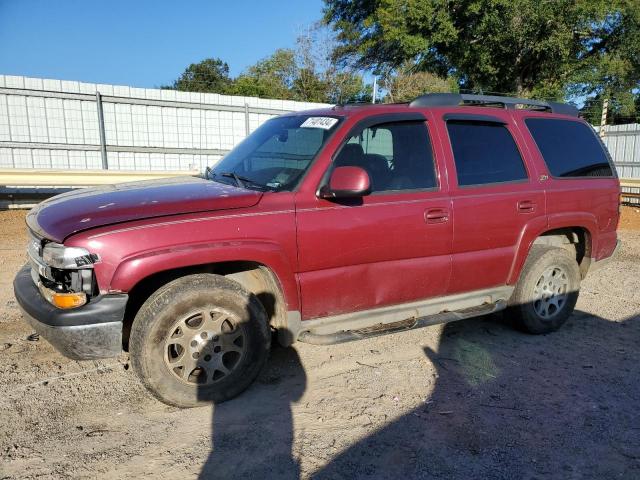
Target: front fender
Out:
[134,269]
[130,252]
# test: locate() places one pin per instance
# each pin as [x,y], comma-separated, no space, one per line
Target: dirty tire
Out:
[170,332]
[547,290]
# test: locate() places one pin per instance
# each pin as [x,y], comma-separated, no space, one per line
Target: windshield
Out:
[276,155]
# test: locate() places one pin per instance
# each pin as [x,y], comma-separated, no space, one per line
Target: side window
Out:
[375,141]
[570,149]
[484,153]
[397,156]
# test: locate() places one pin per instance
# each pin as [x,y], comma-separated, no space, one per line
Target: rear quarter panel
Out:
[590,202]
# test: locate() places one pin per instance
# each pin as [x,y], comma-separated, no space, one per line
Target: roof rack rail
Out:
[350,104]
[453,99]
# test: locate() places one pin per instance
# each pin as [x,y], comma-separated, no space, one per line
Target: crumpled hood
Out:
[71,212]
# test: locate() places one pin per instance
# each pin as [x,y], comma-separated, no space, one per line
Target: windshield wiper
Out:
[237,178]
[243,182]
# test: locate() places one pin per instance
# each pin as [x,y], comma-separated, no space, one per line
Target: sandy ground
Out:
[473,399]
[630,218]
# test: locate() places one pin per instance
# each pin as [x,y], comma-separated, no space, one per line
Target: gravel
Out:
[472,399]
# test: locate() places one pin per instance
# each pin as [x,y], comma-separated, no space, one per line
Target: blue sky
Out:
[143,43]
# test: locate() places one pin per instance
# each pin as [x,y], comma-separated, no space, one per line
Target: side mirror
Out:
[347,182]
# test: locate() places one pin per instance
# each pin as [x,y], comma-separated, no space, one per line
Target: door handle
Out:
[526,206]
[436,215]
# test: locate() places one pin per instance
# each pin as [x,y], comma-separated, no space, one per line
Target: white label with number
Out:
[319,122]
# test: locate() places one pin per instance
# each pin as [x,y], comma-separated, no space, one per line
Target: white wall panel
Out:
[6,157]
[22,158]
[59,159]
[154,126]
[52,119]
[124,124]
[77,160]
[19,125]
[90,123]
[185,135]
[73,121]
[140,125]
[55,120]
[110,127]
[37,117]
[94,161]
[5,133]
[41,159]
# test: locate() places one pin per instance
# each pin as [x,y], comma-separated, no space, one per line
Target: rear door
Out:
[495,195]
[390,247]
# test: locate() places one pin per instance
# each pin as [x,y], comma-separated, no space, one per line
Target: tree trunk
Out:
[519,86]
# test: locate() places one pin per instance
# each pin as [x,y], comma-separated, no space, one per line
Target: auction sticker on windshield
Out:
[319,122]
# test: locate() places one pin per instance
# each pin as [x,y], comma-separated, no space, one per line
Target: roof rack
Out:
[453,99]
[350,104]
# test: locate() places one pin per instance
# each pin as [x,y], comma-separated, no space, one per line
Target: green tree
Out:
[544,48]
[405,84]
[321,79]
[271,77]
[348,87]
[209,75]
[306,73]
[622,109]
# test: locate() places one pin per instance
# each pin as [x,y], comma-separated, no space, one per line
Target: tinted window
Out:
[397,156]
[484,153]
[570,149]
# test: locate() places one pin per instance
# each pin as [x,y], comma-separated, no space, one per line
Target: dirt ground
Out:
[473,399]
[630,218]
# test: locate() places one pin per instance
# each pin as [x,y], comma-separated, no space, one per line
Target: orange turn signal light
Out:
[63,300]
[69,300]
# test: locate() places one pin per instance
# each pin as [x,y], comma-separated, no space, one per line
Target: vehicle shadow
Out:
[512,405]
[253,434]
[505,405]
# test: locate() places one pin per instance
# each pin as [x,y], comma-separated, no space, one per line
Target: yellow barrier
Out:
[14,178]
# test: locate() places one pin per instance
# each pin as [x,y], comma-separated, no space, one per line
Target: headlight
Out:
[58,256]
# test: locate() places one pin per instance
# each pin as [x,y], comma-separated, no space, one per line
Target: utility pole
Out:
[603,118]
[375,87]
[103,138]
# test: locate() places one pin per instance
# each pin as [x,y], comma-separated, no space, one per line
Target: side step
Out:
[400,326]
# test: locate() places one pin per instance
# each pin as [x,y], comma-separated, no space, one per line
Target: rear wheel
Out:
[199,339]
[547,290]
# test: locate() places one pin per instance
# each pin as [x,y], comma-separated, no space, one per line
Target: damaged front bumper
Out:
[88,332]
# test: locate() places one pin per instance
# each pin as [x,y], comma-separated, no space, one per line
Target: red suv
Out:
[326,226]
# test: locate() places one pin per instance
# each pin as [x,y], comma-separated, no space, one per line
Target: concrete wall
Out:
[53,124]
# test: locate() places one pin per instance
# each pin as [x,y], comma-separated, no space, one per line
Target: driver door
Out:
[390,247]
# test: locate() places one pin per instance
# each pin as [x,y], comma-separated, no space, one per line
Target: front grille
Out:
[38,267]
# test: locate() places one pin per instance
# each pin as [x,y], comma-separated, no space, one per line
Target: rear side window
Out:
[570,149]
[484,153]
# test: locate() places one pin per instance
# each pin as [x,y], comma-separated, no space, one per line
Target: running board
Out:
[359,325]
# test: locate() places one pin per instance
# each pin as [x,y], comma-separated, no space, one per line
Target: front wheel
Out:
[199,339]
[547,290]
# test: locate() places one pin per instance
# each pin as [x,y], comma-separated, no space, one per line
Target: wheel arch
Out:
[576,238]
[258,278]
